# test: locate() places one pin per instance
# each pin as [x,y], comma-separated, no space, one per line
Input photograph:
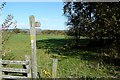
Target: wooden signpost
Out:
[33,67]
[33,24]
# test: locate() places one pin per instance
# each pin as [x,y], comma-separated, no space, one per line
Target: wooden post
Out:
[33,24]
[33,45]
[54,68]
[0,53]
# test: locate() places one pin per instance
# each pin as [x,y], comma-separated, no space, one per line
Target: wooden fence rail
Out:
[24,72]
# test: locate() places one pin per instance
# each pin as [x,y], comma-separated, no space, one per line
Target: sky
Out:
[49,14]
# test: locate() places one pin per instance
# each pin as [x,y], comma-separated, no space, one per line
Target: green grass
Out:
[18,45]
[71,62]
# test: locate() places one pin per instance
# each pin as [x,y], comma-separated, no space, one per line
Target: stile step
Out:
[17,70]
[12,77]
[15,62]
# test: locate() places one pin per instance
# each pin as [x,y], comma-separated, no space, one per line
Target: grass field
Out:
[71,63]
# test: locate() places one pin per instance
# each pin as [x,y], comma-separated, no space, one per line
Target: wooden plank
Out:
[17,70]
[15,62]
[12,77]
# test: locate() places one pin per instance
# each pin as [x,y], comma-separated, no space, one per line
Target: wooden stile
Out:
[25,71]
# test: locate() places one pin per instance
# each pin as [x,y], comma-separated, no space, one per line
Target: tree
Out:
[16,30]
[73,12]
[95,20]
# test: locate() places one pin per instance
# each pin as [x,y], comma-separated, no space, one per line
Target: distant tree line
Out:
[54,32]
[20,31]
[38,31]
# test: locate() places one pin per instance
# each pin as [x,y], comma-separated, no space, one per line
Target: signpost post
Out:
[33,24]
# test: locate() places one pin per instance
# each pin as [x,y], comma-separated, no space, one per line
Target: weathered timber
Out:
[33,45]
[54,68]
[13,77]
[15,70]
[25,71]
[28,66]
[15,62]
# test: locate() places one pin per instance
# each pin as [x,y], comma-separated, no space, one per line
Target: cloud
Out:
[52,27]
[45,24]
[1,20]
[51,23]
[43,19]
[49,20]
[56,20]
[23,25]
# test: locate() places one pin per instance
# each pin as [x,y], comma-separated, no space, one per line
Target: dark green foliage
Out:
[98,21]
[73,13]
[107,21]
[16,30]
[95,20]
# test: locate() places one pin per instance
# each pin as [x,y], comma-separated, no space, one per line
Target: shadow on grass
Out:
[66,47]
[85,51]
